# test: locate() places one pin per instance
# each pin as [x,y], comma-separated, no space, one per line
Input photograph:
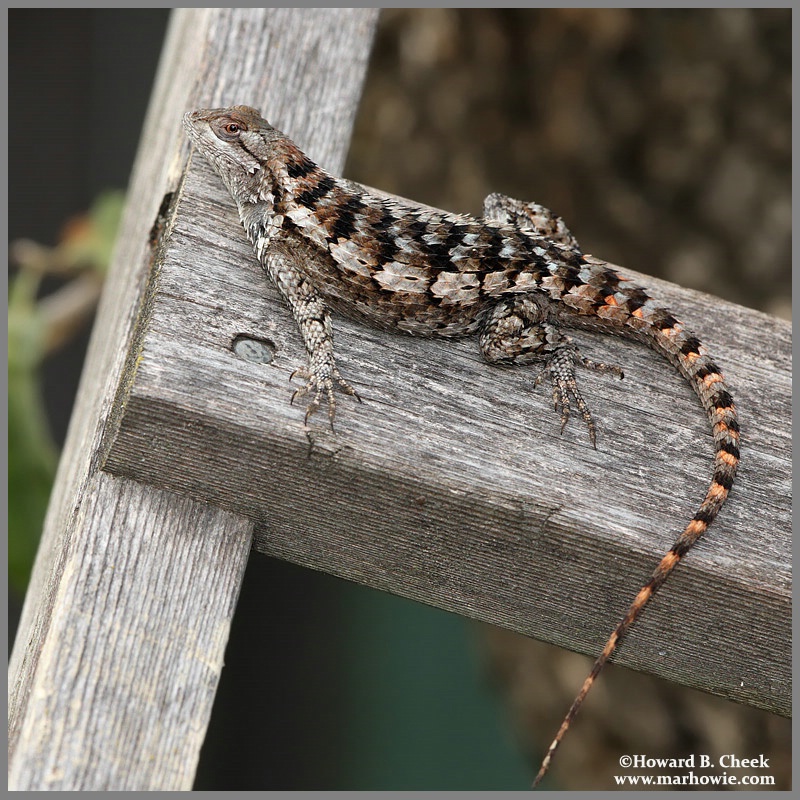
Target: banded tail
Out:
[689,356]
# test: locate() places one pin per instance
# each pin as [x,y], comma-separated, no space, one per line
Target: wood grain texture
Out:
[143,612]
[122,636]
[451,484]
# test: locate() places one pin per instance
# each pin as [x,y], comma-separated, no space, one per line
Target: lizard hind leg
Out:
[529,217]
[517,331]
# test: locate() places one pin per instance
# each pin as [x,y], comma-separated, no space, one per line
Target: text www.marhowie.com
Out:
[687,775]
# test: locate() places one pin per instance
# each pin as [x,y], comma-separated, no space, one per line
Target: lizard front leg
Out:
[313,320]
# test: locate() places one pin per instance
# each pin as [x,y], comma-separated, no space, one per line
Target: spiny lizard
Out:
[513,278]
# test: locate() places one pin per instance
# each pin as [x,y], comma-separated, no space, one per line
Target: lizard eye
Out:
[228,130]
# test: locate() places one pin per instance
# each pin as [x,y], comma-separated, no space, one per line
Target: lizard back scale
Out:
[512,277]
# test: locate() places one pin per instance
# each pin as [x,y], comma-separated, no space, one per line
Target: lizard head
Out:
[237,141]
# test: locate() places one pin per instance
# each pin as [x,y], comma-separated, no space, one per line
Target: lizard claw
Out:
[561,368]
[320,385]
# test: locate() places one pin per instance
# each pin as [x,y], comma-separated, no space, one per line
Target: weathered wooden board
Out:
[142,615]
[451,484]
[122,637]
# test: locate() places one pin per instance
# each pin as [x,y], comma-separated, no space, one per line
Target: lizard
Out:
[514,278]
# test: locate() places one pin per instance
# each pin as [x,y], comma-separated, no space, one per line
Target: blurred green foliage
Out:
[31,452]
[38,328]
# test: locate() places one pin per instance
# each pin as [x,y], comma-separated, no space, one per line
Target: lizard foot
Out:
[560,365]
[319,385]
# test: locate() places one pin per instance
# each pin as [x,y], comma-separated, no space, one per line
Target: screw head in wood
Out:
[258,351]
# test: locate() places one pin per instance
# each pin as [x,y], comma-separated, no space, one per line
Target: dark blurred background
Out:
[663,138]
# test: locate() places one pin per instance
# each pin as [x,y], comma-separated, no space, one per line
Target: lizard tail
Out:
[691,359]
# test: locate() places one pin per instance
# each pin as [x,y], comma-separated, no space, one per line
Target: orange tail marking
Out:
[693,531]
